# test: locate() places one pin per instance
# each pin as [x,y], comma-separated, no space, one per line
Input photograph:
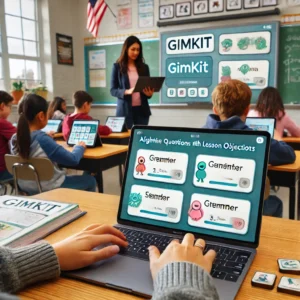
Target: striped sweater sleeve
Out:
[20,267]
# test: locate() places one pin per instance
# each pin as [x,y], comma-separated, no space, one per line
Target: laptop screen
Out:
[204,181]
[52,125]
[262,124]
[83,131]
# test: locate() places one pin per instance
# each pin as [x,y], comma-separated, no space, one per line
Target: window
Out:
[21,42]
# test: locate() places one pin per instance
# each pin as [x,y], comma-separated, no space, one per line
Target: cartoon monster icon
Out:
[226,44]
[141,168]
[196,211]
[135,199]
[226,73]
[263,278]
[201,174]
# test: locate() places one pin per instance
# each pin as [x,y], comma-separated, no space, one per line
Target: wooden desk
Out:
[280,238]
[58,135]
[121,138]
[96,160]
[288,176]
[293,142]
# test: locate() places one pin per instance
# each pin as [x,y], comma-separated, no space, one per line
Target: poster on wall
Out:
[97,59]
[64,49]
[124,18]
[97,78]
[146,13]
[123,2]
[194,63]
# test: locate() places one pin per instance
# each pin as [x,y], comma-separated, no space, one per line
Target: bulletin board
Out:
[195,61]
[99,60]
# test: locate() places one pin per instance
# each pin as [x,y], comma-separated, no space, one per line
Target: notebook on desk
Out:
[179,180]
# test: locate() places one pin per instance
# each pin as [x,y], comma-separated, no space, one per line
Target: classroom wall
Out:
[69,17]
[166,115]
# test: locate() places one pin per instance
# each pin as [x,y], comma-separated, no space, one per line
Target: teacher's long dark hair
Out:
[123,59]
[31,105]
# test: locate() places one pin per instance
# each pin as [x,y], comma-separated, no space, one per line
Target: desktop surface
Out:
[103,208]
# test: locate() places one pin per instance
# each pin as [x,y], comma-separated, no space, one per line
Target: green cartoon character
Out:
[260,43]
[226,72]
[135,199]
[226,44]
[201,174]
[243,43]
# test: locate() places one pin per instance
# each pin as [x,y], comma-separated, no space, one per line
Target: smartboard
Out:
[195,61]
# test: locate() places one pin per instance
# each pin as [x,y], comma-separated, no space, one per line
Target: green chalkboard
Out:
[102,95]
[289,64]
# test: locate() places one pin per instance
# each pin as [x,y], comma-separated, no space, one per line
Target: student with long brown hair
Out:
[57,109]
[30,141]
[270,105]
[125,73]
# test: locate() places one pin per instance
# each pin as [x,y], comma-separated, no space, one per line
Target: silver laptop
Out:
[180,180]
[263,124]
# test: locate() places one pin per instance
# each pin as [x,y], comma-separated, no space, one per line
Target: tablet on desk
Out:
[85,131]
[116,124]
[262,124]
[152,82]
[52,125]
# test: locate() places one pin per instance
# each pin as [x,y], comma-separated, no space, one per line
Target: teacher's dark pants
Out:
[137,117]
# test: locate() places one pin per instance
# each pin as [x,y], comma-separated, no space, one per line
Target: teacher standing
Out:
[125,73]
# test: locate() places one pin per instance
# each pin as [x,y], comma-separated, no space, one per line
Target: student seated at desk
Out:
[82,102]
[270,105]
[231,103]
[30,141]
[180,272]
[57,109]
[7,130]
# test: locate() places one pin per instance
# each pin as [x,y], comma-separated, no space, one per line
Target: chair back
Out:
[37,169]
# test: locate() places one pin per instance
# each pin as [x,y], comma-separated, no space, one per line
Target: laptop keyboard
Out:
[228,265]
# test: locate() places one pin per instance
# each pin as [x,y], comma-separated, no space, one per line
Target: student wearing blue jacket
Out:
[30,141]
[231,104]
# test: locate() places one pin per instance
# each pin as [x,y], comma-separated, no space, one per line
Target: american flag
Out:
[95,12]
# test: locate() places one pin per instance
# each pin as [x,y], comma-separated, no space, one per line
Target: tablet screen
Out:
[262,124]
[52,125]
[116,124]
[84,131]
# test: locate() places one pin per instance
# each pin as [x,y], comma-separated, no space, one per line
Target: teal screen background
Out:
[216,58]
[188,187]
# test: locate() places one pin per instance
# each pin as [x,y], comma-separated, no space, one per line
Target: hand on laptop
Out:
[77,251]
[148,91]
[188,251]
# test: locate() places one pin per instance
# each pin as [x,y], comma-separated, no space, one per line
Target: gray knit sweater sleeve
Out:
[183,280]
[23,266]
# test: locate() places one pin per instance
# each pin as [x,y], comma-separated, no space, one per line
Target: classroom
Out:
[149,149]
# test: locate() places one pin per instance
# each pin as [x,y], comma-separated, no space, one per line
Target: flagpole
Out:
[110,9]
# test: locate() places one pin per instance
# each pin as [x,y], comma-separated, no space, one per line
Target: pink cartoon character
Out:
[196,211]
[141,168]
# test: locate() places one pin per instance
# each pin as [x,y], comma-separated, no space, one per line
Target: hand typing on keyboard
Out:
[188,250]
